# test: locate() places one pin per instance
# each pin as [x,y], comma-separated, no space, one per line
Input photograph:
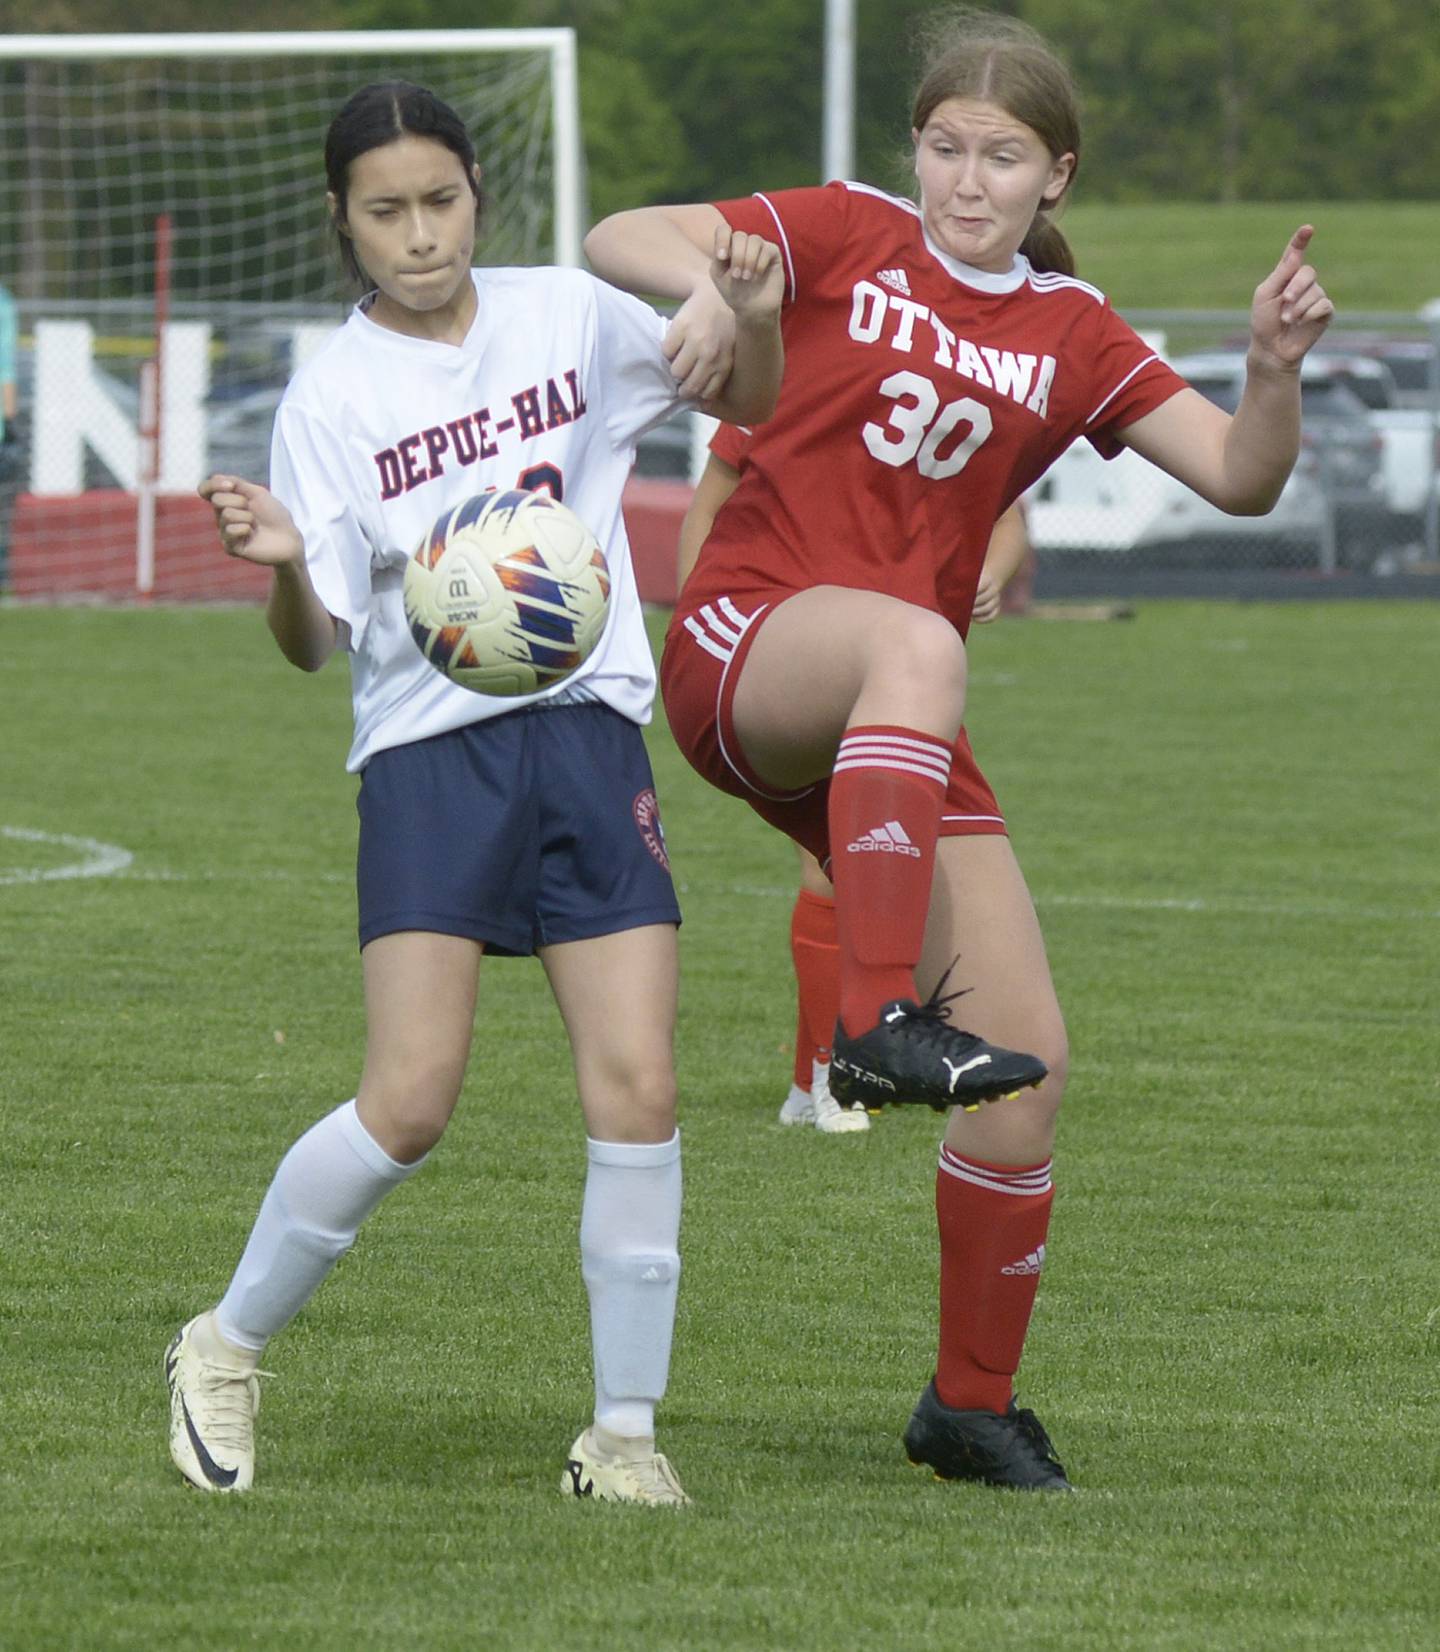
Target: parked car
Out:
[1408,358]
[1127,507]
[1337,434]
[1409,433]
[1395,376]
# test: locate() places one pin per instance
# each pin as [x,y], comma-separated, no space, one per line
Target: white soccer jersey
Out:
[378,435]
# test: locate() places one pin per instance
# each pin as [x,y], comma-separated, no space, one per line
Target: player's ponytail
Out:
[1046,247]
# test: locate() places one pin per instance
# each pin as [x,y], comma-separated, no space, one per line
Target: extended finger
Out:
[1290,261]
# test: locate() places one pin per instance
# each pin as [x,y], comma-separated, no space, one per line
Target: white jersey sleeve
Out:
[309,475]
[638,386]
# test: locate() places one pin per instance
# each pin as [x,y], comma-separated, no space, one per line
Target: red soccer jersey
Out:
[921,398]
[730,442]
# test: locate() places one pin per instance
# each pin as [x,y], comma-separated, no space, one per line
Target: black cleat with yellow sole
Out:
[913,1055]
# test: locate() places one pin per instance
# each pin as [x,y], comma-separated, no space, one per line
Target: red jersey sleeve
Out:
[806,224]
[729,443]
[1131,381]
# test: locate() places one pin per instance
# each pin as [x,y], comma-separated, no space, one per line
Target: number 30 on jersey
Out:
[918,427]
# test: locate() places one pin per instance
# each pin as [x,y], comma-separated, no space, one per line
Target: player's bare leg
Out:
[617,997]
[871,691]
[982,922]
[993,1186]
[420,998]
[831,657]
[420,994]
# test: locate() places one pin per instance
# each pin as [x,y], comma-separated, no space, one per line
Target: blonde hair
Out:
[968,53]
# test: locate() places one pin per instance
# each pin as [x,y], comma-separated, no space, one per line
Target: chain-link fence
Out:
[1360,507]
[1359,513]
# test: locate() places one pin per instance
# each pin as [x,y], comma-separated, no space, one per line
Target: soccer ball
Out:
[508,593]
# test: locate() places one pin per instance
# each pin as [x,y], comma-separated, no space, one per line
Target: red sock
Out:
[816,954]
[885,801]
[993,1222]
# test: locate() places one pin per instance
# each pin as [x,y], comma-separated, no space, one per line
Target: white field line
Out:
[100,860]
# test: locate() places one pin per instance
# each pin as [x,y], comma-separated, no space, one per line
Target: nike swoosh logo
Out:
[576,1470]
[212,1471]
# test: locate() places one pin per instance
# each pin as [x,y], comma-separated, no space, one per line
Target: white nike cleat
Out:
[212,1416]
[798,1108]
[607,1478]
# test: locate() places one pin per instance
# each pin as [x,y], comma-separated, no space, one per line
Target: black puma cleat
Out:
[1012,1450]
[913,1054]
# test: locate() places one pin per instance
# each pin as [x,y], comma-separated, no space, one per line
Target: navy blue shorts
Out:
[523,830]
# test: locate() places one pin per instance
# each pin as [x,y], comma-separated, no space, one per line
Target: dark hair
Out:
[377,115]
[984,55]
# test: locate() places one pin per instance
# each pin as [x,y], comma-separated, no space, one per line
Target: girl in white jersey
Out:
[939,357]
[503,826]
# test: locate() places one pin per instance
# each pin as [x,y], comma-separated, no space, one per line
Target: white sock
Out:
[629,1233]
[327,1184]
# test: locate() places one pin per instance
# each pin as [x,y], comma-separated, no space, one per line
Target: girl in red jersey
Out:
[939,357]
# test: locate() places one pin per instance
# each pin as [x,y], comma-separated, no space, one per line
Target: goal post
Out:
[222,136]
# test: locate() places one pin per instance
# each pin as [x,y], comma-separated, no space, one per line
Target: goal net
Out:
[163,237]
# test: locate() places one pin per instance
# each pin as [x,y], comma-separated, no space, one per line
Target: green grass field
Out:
[1195,255]
[1230,816]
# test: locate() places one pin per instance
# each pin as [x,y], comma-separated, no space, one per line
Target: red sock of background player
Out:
[816,955]
[993,1222]
[885,801]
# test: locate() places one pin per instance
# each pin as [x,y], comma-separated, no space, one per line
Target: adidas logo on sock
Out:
[896,280]
[889,839]
[1028,1264]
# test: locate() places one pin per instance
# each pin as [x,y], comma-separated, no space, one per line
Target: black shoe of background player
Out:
[1012,1450]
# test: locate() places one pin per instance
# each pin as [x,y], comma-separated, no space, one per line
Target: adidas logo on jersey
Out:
[1028,1264]
[896,280]
[889,839]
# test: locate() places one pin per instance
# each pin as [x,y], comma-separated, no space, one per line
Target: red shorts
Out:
[705,650]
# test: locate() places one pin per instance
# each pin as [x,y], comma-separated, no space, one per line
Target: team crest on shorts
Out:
[647,817]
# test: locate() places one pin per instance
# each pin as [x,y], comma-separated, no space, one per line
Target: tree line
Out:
[1205,100]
